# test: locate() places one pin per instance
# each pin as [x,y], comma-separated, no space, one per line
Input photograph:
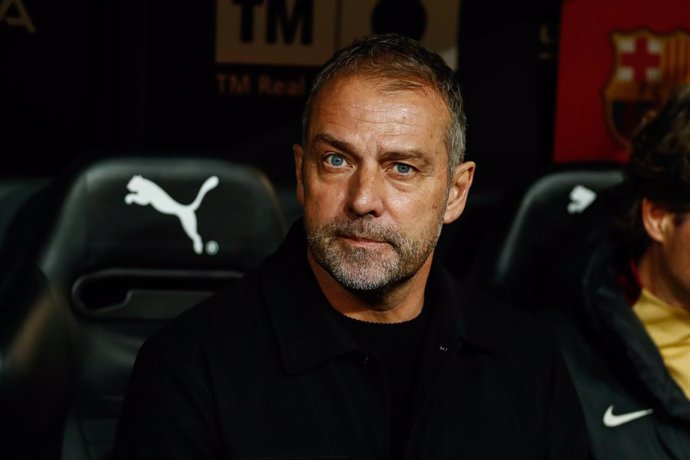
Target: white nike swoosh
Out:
[612,420]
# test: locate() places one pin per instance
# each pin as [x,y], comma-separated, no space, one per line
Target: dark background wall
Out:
[127,74]
[508,67]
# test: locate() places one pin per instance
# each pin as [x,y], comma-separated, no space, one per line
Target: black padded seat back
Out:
[196,213]
[199,219]
[14,192]
[543,213]
[123,245]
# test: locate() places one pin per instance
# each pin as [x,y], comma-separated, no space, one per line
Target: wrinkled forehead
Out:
[382,85]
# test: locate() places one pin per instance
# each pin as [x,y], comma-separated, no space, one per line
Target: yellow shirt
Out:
[669,328]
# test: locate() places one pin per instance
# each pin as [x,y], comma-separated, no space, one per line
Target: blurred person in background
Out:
[624,280]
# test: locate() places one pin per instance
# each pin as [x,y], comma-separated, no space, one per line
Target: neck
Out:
[395,304]
[655,276]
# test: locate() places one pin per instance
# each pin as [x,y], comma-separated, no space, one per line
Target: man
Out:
[349,342]
[625,330]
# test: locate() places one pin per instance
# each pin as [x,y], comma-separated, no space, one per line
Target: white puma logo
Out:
[581,197]
[145,192]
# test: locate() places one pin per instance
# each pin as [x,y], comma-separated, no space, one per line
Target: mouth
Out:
[361,241]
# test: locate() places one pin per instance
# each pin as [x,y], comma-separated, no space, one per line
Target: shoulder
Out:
[485,317]
[520,343]
[498,324]
[523,353]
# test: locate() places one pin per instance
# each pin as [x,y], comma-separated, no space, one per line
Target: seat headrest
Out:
[547,208]
[149,212]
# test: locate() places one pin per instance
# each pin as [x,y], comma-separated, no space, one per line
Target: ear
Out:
[298,153]
[459,188]
[656,220]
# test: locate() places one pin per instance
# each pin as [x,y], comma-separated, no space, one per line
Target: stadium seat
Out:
[458,245]
[14,192]
[536,218]
[105,254]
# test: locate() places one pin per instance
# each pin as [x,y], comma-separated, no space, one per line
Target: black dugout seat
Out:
[101,258]
[536,217]
[14,191]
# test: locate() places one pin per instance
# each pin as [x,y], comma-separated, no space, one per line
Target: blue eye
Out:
[335,160]
[402,168]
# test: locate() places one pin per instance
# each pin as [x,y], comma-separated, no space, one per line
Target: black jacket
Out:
[612,359]
[264,370]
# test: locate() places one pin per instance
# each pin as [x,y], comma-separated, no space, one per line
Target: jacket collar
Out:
[307,327]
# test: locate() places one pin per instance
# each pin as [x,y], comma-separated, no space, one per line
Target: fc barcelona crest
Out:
[647,66]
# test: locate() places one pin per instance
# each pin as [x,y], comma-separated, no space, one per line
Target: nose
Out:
[365,194]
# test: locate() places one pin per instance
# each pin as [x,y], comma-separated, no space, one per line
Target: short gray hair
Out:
[406,64]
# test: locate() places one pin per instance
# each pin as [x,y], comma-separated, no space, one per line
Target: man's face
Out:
[373,181]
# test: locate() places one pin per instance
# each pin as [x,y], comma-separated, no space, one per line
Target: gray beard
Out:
[369,270]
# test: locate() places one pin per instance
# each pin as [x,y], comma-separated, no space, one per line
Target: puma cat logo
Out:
[145,192]
[580,198]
